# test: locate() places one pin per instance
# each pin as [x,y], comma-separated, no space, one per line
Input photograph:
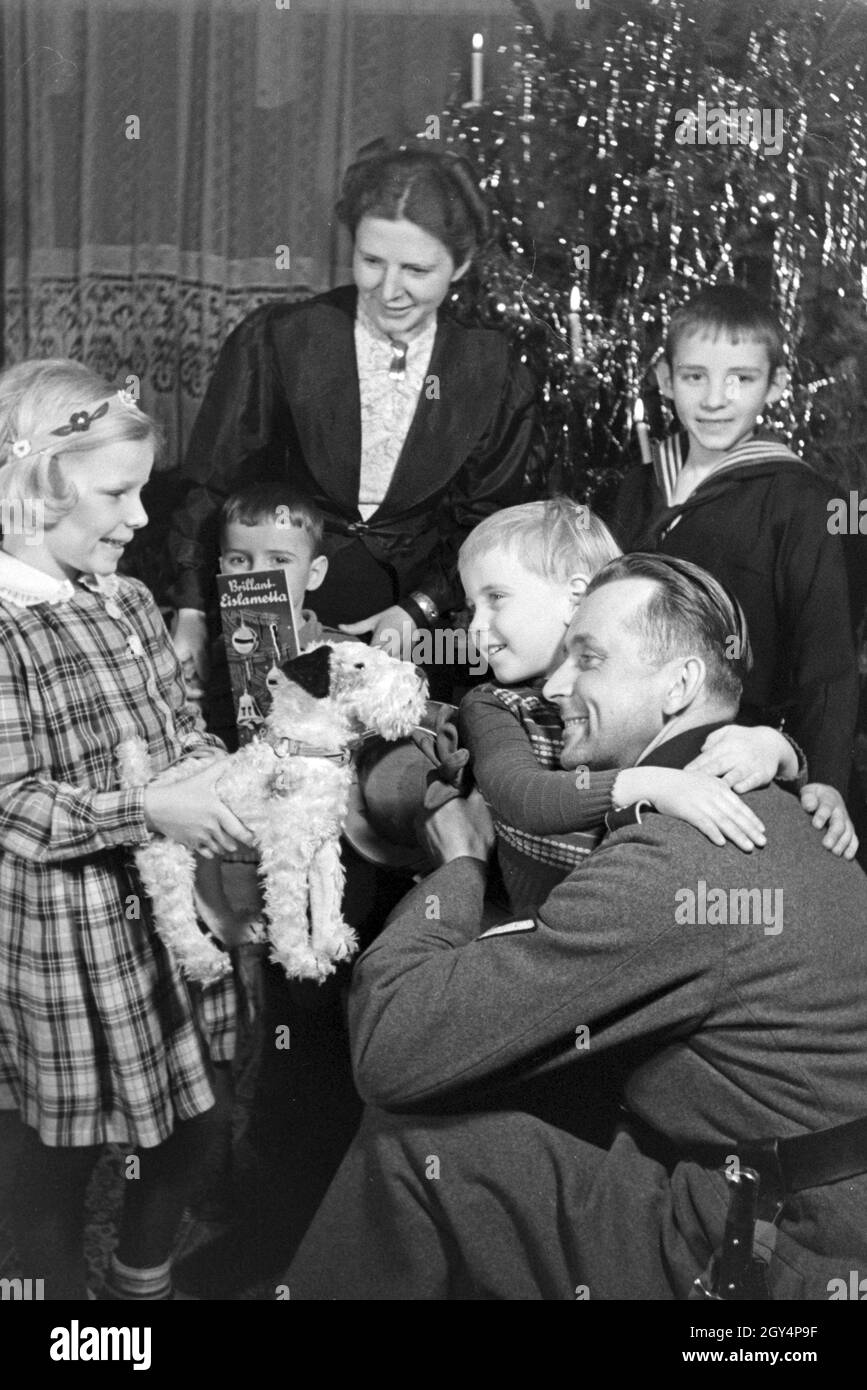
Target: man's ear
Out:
[664,379]
[688,678]
[318,571]
[779,382]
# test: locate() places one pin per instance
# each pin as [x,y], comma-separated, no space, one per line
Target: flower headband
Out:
[79,421]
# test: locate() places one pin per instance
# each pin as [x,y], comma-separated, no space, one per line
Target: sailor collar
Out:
[669,456]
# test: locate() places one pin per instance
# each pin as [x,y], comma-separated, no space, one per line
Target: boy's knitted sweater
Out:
[546,820]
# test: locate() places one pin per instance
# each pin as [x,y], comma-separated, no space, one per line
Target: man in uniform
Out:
[718,997]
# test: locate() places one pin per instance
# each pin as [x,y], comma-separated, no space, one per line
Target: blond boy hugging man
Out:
[524,569]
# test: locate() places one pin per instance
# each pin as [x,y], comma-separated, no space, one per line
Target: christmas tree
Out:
[622,173]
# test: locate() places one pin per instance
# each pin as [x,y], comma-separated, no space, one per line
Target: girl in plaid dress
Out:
[101,1040]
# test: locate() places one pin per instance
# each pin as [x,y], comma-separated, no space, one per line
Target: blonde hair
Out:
[37,397]
[555,539]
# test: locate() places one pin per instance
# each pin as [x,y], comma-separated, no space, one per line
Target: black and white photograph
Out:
[433,668]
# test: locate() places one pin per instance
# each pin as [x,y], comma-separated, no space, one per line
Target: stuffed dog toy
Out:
[290,788]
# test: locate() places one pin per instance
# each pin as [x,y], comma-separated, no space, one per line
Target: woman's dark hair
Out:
[438,192]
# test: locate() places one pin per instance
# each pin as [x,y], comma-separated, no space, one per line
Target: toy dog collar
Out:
[295,748]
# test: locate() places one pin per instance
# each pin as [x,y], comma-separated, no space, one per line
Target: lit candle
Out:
[476,70]
[575,337]
[642,431]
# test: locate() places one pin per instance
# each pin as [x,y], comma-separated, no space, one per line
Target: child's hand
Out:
[746,758]
[702,801]
[190,639]
[191,813]
[827,807]
[203,753]
[193,683]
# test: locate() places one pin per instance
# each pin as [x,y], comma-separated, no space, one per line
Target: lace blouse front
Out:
[389,386]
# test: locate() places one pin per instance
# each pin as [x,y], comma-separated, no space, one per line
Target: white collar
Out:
[25,586]
[419,334]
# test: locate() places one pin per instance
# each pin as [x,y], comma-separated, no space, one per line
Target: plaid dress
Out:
[100,1038]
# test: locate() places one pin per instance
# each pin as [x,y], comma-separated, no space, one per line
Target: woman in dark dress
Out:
[405,428]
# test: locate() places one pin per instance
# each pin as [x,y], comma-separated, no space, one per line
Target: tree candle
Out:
[575,336]
[642,432]
[476,70]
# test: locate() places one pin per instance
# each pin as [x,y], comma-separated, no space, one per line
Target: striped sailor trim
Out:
[668,459]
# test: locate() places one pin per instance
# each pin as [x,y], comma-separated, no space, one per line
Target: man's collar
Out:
[25,586]
[676,751]
[681,748]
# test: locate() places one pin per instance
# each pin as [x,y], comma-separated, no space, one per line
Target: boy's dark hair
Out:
[272,502]
[732,310]
[690,612]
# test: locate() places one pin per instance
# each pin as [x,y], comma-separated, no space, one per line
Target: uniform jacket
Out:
[285,396]
[721,1031]
[762,529]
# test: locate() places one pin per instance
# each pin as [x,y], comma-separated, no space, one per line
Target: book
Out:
[260,633]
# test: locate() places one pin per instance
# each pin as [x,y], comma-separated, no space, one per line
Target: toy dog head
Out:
[311,671]
[370,689]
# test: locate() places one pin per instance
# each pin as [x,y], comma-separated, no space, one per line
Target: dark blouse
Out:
[284,402]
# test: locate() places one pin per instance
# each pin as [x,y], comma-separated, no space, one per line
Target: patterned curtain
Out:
[170,164]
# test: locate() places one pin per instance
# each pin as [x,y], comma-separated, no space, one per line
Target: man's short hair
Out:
[272,503]
[732,310]
[690,613]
